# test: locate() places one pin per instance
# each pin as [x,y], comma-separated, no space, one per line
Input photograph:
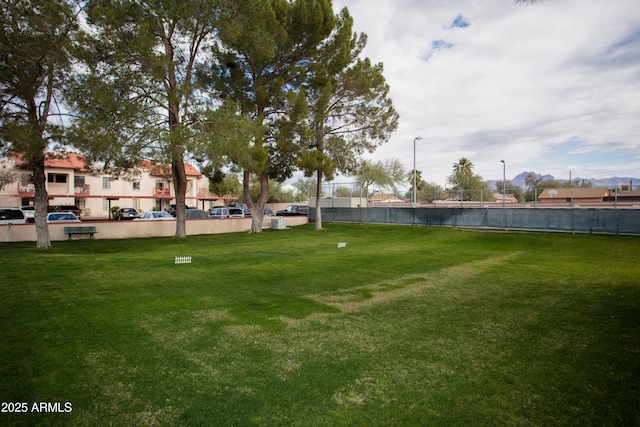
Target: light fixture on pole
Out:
[504,184]
[414,202]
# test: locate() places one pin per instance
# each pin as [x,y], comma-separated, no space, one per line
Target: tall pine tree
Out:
[349,105]
[264,59]
[36,40]
[138,98]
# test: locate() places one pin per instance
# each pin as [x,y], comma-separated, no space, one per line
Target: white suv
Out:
[226,213]
[12,216]
[29,213]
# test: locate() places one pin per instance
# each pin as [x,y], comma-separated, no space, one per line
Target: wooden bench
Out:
[80,230]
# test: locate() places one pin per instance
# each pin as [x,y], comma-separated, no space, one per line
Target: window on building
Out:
[78,181]
[159,183]
[57,178]
[106,183]
[136,204]
[136,184]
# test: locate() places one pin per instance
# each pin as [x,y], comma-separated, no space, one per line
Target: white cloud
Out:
[517,83]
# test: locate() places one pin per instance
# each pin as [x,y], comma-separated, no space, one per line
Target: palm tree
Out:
[418,177]
[463,167]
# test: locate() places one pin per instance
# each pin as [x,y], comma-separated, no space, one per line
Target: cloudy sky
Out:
[551,88]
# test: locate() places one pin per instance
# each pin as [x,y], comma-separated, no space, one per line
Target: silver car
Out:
[155,216]
[226,213]
[62,217]
[219,213]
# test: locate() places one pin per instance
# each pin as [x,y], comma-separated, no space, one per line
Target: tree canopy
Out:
[350,111]
[387,174]
[36,43]
[467,184]
[138,97]
[263,59]
[266,87]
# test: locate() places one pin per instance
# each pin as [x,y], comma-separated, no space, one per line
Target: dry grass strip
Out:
[404,287]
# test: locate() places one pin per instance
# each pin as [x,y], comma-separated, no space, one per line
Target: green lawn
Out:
[405,326]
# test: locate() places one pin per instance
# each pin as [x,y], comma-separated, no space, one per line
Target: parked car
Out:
[56,217]
[156,216]
[29,213]
[247,212]
[217,212]
[12,216]
[292,210]
[236,213]
[68,208]
[172,209]
[196,213]
[230,212]
[126,213]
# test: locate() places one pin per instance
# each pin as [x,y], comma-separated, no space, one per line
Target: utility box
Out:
[278,224]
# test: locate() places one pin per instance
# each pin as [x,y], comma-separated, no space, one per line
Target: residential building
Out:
[71,181]
[508,198]
[384,199]
[575,195]
[624,195]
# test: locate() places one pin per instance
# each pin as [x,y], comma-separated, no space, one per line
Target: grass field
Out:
[405,326]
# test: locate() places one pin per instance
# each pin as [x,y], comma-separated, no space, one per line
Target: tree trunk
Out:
[257,208]
[318,221]
[177,151]
[43,239]
[319,137]
[180,187]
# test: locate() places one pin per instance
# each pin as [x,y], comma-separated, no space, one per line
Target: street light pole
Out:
[415,199]
[504,184]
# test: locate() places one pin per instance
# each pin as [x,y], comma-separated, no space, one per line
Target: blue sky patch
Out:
[629,40]
[574,155]
[436,45]
[460,22]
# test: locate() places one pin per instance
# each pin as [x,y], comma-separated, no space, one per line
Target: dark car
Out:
[293,210]
[68,208]
[267,212]
[247,212]
[126,213]
[172,209]
[196,213]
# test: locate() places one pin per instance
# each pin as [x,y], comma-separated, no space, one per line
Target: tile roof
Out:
[79,162]
[75,161]
[163,170]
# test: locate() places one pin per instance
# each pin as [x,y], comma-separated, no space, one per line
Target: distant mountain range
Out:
[520,180]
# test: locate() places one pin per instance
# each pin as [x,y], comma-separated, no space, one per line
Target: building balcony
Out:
[26,191]
[83,190]
[162,193]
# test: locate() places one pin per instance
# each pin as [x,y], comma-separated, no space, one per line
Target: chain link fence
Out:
[572,220]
